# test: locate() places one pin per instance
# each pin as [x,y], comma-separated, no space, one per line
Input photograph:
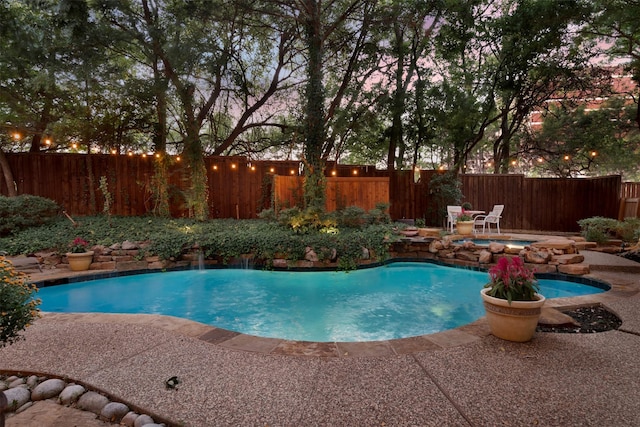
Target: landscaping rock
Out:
[128,246]
[114,412]
[16,382]
[496,248]
[574,269]
[143,420]
[16,397]
[71,394]
[569,259]
[485,257]
[565,244]
[32,381]
[310,255]
[92,402]
[537,257]
[466,256]
[48,389]
[129,419]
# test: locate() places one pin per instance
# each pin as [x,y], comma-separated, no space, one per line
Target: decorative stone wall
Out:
[556,255]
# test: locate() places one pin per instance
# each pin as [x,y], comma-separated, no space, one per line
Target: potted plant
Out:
[511,300]
[464,223]
[79,256]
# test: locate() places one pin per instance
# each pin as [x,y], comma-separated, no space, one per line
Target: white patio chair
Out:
[492,217]
[452,213]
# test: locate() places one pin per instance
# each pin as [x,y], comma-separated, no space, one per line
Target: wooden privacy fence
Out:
[546,204]
[341,192]
[239,188]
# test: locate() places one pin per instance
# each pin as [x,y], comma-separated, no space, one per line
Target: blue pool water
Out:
[394,301]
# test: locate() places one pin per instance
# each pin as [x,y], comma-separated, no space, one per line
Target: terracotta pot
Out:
[81,261]
[464,227]
[512,322]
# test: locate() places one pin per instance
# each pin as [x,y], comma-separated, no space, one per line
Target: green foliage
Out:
[108,197]
[18,308]
[600,229]
[445,189]
[223,238]
[511,280]
[17,213]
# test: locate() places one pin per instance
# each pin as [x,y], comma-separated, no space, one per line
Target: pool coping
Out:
[463,335]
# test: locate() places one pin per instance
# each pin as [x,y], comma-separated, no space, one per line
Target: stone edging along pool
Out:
[466,334]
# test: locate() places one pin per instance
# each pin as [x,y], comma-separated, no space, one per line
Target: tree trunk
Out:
[8,175]
[314,184]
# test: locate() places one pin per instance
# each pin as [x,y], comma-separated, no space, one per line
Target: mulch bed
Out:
[591,319]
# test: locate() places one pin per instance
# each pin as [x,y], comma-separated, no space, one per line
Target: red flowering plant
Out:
[512,281]
[78,246]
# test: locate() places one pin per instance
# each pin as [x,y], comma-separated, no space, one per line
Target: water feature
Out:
[394,301]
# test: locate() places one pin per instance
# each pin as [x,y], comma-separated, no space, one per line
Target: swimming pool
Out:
[398,300]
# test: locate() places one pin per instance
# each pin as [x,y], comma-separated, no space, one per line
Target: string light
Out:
[215,167]
[566,157]
[355,171]
[157,155]
[293,172]
[178,159]
[233,165]
[334,173]
[593,154]
[272,170]
[17,136]
[113,151]
[47,141]
[253,168]
[74,146]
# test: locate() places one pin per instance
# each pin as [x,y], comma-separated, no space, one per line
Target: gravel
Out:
[591,319]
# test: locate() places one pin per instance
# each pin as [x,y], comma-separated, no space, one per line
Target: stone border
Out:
[21,391]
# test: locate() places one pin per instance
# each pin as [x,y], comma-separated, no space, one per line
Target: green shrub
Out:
[18,308]
[629,230]
[20,212]
[599,229]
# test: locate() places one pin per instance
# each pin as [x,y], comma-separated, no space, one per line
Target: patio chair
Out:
[492,217]
[452,214]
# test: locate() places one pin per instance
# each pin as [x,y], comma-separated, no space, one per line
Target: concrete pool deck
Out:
[459,377]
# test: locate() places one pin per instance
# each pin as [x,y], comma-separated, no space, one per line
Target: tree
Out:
[615,24]
[576,142]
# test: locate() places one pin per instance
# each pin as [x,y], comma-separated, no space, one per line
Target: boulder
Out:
[496,248]
[558,243]
[127,245]
[574,269]
[129,419]
[537,257]
[113,412]
[466,256]
[569,259]
[16,397]
[485,257]
[310,254]
[70,394]
[143,420]
[48,389]
[92,402]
